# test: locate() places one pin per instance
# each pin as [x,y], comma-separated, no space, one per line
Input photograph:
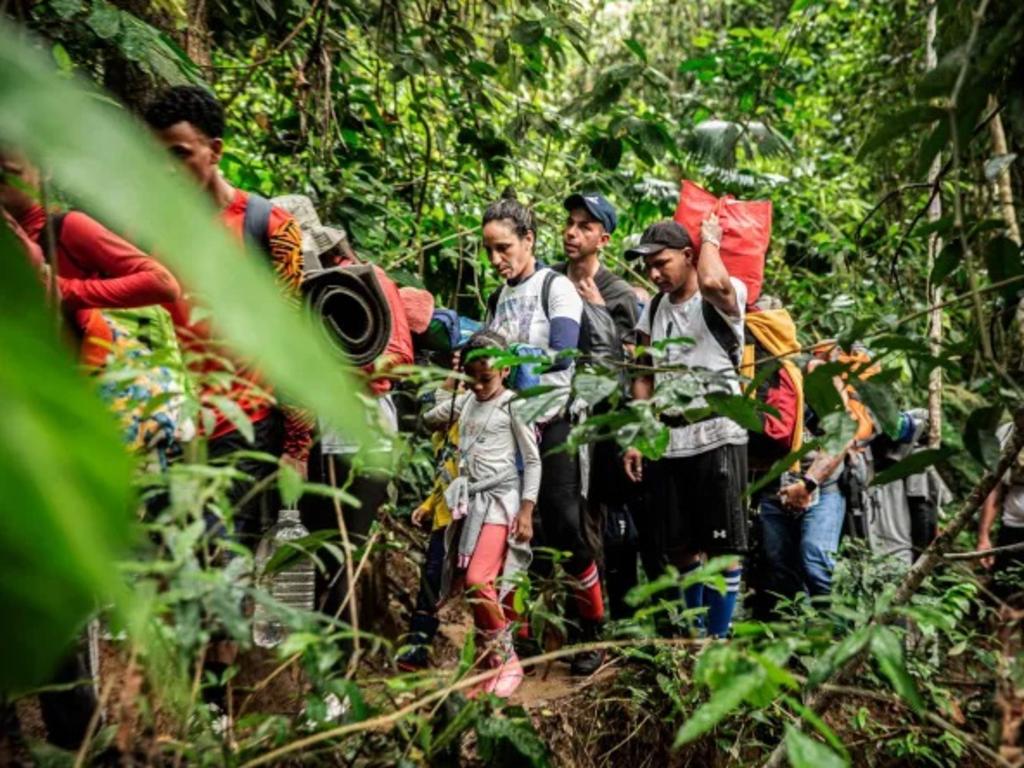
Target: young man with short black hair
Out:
[607,330]
[189,121]
[697,488]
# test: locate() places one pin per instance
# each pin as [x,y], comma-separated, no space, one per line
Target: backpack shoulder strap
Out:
[256,222]
[545,292]
[655,303]
[49,237]
[492,303]
[721,331]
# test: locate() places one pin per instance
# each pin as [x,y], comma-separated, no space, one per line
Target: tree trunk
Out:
[1003,191]
[933,294]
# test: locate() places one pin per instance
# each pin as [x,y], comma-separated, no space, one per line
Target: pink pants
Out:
[484,568]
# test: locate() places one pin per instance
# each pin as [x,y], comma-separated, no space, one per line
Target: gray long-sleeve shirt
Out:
[490,433]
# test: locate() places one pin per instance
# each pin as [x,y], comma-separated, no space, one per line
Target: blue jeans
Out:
[800,551]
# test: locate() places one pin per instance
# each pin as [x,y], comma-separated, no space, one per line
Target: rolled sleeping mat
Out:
[355,313]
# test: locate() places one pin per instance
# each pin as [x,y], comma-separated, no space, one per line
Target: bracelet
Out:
[710,241]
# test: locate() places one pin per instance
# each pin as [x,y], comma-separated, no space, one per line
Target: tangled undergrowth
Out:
[649,705]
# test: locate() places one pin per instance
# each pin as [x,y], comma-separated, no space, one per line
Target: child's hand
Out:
[421,516]
[522,526]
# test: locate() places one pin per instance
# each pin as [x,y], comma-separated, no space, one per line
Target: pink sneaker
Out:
[508,679]
[489,663]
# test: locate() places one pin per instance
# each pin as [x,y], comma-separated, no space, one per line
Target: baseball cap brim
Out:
[576,201]
[645,249]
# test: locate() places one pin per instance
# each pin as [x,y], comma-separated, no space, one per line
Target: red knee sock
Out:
[589,600]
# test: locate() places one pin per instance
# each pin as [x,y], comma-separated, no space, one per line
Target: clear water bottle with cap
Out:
[292,586]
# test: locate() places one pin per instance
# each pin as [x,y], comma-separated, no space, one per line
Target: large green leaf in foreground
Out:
[64,486]
[64,481]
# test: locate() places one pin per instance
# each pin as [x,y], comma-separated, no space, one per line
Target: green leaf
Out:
[820,726]
[887,649]
[508,741]
[949,258]
[105,20]
[1003,259]
[837,655]
[839,430]
[898,125]
[607,151]
[698,64]
[65,9]
[820,391]
[61,534]
[289,484]
[743,410]
[501,51]
[980,435]
[914,464]
[528,33]
[233,412]
[805,752]
[880,397]
[61,57]
[725,699]
[102,158]
[637,49]
[593,388]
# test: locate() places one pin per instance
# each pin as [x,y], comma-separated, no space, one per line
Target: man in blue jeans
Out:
[800,530]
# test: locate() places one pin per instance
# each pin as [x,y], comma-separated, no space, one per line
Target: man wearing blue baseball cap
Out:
[607,326]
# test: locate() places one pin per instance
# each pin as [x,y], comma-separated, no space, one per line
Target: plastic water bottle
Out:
[292,586]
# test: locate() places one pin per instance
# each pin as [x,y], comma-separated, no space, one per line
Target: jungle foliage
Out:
[402,120]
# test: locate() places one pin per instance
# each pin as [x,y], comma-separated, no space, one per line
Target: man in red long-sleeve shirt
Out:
[96,269]
[189,121]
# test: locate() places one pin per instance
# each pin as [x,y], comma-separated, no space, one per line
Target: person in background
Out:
[801,518]
[423,623]
[331,459]
[608,331]
[189,122]
[697,487]
[491,504]
[538,307]
[96,269]
[1006,503]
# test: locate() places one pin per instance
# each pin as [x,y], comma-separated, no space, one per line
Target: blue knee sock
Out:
[693,595]
[721,607]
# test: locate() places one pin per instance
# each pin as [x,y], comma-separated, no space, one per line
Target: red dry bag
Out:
[746,230]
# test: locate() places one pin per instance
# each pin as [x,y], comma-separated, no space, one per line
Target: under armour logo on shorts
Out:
[719,534]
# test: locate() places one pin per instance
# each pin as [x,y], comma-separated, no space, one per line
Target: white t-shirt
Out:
[1013,502]
[686,319]
[520,318]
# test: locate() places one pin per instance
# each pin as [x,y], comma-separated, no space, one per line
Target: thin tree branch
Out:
[980,553]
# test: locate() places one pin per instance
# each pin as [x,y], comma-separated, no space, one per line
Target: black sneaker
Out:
[414,659]
[586,663]
[527,648]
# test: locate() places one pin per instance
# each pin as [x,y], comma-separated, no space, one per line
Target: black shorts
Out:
[698,503]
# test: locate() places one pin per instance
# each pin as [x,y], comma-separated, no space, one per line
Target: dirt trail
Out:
[546,683]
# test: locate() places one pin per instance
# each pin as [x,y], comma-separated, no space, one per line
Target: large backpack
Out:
[148,394]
